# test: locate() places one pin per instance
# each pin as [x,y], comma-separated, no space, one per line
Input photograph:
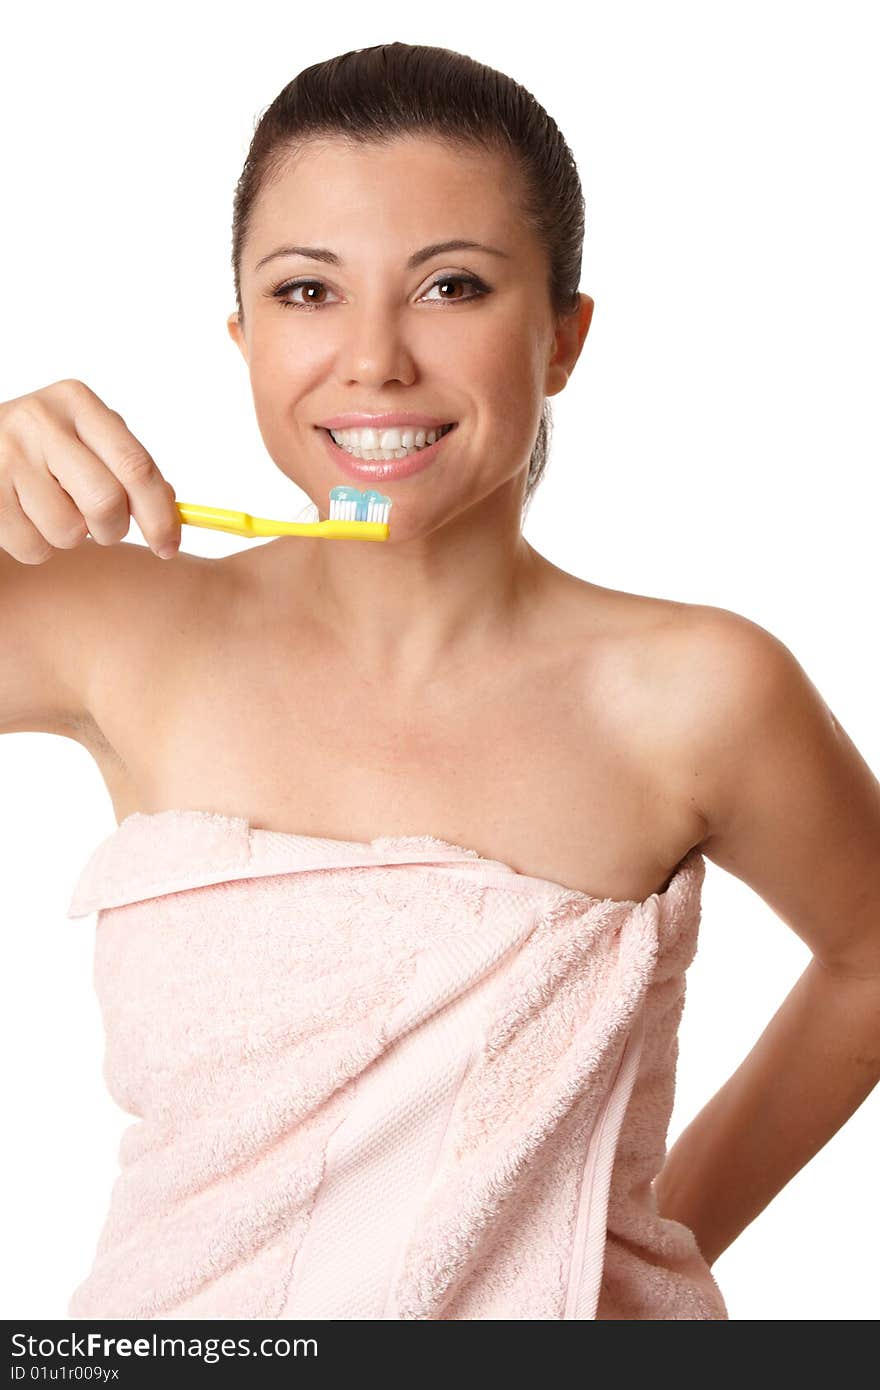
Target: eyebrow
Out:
[320,253]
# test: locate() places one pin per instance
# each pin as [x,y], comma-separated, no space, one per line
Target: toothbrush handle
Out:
[217,519]
[243,524]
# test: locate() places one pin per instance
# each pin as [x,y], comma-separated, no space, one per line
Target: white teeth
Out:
[392,443]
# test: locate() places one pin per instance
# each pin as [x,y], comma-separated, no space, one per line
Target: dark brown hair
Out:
[374,95]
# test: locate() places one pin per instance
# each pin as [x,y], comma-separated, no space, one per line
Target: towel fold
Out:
[389,1079]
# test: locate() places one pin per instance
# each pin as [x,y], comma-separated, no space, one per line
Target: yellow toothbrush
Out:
[354,515]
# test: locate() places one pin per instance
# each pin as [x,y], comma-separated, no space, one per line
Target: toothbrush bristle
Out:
[350,504]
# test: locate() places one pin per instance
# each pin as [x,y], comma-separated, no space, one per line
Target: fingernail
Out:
[167,552]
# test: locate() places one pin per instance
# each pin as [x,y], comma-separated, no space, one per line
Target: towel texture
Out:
[389,1079]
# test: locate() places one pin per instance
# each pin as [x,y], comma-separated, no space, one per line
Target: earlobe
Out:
[233,327]
[568,344]
[586,315]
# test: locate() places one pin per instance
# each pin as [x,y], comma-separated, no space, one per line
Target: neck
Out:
[408,614]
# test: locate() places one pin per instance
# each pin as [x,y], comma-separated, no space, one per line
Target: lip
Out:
[385,470]
[381,422]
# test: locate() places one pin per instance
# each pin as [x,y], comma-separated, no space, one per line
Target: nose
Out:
[374,348]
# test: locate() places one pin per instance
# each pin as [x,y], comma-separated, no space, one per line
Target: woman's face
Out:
[373,334]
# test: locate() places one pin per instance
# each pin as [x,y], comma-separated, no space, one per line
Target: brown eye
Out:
[311,291]
[310,286]
[444,281]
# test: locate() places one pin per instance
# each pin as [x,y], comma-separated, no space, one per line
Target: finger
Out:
[52,511]
[95,491]
[151,497]
[18,534]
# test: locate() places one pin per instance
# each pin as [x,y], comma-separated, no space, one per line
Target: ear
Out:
[236,333]
[570,334]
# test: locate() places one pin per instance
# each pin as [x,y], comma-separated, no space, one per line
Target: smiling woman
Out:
[393,930]
[343,106]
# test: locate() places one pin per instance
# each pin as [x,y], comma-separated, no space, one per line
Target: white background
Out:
[717,444]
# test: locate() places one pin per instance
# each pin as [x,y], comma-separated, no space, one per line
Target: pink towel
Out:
[391,1079]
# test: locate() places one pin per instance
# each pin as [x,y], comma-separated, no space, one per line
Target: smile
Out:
[394,442]
[386,464]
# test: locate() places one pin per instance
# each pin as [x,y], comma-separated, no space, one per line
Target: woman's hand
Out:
[69,468]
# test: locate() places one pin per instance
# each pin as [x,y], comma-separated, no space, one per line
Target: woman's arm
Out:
[793,810]
[814,1064]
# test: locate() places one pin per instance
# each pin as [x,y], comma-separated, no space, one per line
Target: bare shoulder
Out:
[52,616]
[95,612]
[688,685]
[149,608]
[725,678]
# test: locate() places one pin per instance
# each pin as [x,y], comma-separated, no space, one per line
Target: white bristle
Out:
[347,511]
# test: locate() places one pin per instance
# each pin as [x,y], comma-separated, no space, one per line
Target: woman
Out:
[394,927]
